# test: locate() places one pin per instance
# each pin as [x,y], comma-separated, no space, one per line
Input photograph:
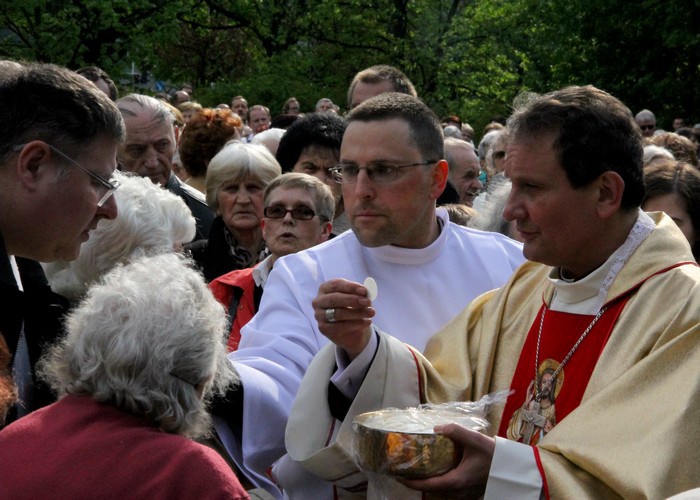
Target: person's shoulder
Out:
[188,193]
[200,470]
[237,278]
[477,234]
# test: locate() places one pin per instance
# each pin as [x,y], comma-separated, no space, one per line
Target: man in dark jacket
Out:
[58,145]
[148,151]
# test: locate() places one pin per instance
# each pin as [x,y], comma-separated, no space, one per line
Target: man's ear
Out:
[325,234]
[33,163]
[611,187]
[438,176]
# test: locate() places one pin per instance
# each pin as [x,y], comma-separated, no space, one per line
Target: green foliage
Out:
[466,57]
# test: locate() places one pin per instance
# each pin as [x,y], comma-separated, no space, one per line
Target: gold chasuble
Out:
[618,420]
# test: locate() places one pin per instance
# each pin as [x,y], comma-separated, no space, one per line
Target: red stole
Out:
[559,334]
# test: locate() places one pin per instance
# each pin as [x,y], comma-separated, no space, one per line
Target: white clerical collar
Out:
[587,295]
[415,256]
[262,271]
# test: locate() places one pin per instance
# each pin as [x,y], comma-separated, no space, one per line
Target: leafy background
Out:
[469,58]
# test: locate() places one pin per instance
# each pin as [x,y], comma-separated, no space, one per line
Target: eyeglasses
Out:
[280,212]
[110,186]
[647,127]
[379,172]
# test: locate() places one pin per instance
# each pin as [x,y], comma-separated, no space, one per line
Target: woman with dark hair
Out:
[311,146]
[674,187]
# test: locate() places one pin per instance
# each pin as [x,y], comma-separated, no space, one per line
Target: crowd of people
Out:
[185,310]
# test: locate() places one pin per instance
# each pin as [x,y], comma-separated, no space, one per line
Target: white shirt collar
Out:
[587,295]
[262,271]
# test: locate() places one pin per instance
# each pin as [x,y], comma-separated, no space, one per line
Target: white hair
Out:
[490,209]
[151,220]
[239,161]
[486,142]
[644,114]
[652,151]
[269,138]
[452,131]
[148,339]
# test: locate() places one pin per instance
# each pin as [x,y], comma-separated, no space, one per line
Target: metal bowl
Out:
[397,452]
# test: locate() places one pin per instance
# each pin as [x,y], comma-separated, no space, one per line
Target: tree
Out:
[466,57]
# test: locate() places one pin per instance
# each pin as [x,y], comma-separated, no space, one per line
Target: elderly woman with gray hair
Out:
[142,356]
[235,182]
[151,221]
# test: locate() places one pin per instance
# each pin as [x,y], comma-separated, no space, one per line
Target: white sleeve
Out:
[514,472]
[276,348]
[350,374]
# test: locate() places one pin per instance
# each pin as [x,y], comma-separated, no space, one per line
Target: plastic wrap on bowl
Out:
[401,442]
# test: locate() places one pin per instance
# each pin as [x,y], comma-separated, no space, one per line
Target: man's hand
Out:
[344,314]
[468,479]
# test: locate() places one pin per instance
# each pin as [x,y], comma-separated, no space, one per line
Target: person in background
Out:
[484,146]
[259,118]
[178,120]
[468,133]
[673,187]
[151,221]
[460,214]
[683,149]
[205,135]
[452,131]
[688,133]
[235,183]
[311,146]
[148,151]
[142,357]
[58,150]
[189,109]
[101,80]
[291,107]
[453,120]
[239,105]
[646,121]
[269,138]
[178,169]
[464,169]
[324,105]
[491,205]
[284,121]
[678,123]
[179,97]
[297,215]
[377,80]
[653,153]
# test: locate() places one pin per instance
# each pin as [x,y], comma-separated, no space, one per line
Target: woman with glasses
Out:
[298,213]
[235,181]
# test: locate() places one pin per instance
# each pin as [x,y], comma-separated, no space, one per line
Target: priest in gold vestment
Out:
[598,336]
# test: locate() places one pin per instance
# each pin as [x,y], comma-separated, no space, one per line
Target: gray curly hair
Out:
[151,221]
[148,339]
